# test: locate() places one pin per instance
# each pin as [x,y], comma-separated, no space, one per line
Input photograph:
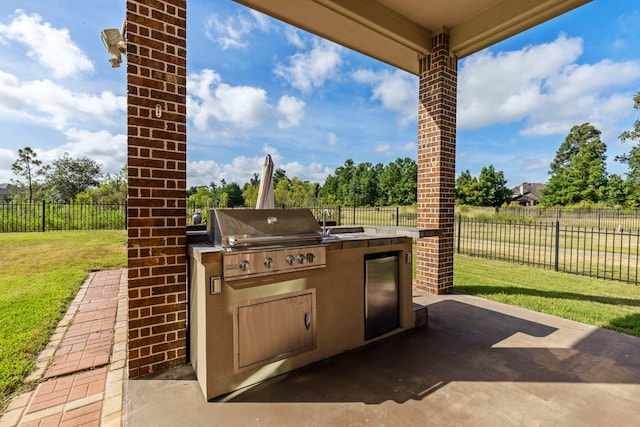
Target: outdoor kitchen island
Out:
[342,292]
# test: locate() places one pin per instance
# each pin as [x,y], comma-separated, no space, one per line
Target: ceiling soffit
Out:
[399,32]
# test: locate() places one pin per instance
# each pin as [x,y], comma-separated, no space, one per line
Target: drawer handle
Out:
[307,320]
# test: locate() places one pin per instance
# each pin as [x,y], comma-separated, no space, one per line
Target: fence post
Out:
[459,232]
[397,216]
[557,245]
[339,222]
[43,215]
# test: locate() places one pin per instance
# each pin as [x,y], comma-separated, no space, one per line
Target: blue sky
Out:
[258,86]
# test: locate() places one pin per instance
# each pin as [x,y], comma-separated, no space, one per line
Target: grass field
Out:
[604,303]
[40,273]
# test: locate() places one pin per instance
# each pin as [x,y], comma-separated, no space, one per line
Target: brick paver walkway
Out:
[80,374]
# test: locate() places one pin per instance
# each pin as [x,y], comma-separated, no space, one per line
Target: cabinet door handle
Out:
[307,320]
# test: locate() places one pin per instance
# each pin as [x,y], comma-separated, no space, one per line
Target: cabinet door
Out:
[275,328]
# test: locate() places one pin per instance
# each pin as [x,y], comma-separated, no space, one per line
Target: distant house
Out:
[5,189]
[527,194]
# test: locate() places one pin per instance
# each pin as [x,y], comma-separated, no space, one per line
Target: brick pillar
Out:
[436,166]
[156,129]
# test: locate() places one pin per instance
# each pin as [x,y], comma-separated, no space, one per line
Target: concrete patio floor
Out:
[477,363]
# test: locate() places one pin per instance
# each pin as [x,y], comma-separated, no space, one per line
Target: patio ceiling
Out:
[398,32]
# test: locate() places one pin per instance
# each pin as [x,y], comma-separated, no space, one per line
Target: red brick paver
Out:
[82,368]
[73,387]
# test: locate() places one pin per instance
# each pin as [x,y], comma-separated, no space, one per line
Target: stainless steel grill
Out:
[262,242]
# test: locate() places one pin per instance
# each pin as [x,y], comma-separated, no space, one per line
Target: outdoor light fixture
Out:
[115,43]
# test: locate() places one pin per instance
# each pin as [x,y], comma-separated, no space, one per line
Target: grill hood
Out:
[243,228]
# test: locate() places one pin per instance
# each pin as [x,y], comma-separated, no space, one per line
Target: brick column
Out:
[436,166]
[156,128]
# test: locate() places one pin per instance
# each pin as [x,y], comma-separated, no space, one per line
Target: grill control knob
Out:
[244,265]
[290,259]
[311,257]
[301,258]
[268,262]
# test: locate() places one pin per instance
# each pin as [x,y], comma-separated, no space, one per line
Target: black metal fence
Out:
[589,251]
[600,219]
[603,244]
[46,216]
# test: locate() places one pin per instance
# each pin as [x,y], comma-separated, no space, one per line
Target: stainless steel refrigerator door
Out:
[381,294]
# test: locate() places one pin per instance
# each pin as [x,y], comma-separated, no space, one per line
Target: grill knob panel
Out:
[244,265]
[290,259]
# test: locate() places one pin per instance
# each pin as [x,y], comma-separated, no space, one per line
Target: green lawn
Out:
[40,274]
[604,303]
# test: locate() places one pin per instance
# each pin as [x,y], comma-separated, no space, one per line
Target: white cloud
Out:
[262,21]
[410,146]
[45,102]
[7,157]
[108,150]
[49,46]
[312,69]
[396,91]
[383,149]
[293,37]
[535,164]
[242,106]
[202,172]
[242,168]
[313,172]
[291,111]
[232,32]
[210,98]
[332,138]
[545,86]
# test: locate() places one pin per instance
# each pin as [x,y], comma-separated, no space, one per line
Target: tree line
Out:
[363,184]
[66,179]
[577,174]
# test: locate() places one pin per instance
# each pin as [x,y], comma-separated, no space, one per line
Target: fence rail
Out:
[380,216]
[601,219]
[588,251]
[45,216]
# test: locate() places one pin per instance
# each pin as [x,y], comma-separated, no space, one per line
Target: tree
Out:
[200,197]
[278,175]
[250,191]
[68,177]
[27,166]
[487,190]
[367,184]
[112,190]
[632,159]
[493,187]
[339,187]
[617,191]
[294,192]
[230,195]
[578,170]
[399,182]
[467,189]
